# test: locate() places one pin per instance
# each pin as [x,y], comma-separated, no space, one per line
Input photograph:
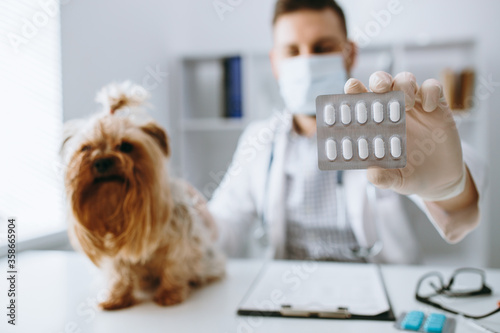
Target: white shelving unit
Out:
[427,60]
[207,139]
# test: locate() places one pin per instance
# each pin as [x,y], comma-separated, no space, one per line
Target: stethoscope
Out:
[363,253]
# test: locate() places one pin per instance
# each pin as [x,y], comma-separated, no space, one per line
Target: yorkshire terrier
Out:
[147,231]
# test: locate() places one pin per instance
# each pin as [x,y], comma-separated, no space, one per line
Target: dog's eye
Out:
[126,147]
[85,148]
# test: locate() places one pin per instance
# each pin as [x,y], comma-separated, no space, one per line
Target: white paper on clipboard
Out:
[316,285]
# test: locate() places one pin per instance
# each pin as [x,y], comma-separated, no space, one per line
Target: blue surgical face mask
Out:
[302,79]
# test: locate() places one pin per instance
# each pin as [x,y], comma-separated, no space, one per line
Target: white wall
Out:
[117,39]
[105,40]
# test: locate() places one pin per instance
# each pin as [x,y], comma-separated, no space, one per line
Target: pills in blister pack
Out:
[417,321]
[356,131]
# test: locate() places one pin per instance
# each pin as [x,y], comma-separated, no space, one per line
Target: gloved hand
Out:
[435,168]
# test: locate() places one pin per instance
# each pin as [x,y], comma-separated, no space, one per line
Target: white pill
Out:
[394,111]
[378,143]
[378,112]
[361,112]
[347,149]
[331,149]
[395,147]
[345,111]
[329,115]
[363,149]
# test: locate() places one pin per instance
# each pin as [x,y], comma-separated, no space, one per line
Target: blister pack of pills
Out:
[357,131]
[417,321]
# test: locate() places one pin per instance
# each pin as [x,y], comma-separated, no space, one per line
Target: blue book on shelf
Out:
[232,87]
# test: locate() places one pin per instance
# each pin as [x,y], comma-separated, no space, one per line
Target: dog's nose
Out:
[103,164]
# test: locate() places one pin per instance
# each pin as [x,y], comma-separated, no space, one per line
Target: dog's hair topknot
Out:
[116,96]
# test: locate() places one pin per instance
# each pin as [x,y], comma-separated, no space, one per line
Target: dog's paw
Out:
[116,303]
[203,280]
[166,297]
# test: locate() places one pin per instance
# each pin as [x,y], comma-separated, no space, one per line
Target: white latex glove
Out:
[435,169]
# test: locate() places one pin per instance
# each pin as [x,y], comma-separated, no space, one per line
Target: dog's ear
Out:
[70,129]
[159,135]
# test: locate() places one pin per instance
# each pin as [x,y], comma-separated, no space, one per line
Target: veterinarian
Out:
[274,196]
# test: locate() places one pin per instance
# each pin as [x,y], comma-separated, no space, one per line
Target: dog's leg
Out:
[173,288]
[210,268]
[121,291]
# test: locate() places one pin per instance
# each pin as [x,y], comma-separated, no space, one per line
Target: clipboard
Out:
[312,289]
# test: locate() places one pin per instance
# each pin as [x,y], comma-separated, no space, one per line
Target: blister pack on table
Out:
[357,131]
[417,321]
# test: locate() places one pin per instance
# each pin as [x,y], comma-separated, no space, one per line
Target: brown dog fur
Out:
[146,231]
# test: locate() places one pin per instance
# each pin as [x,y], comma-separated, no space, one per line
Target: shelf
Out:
[420,45]
[213,124]
[201,56]
[466,43]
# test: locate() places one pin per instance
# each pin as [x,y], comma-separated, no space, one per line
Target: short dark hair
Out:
[289,6]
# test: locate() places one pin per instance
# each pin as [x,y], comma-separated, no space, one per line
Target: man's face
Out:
[310,32]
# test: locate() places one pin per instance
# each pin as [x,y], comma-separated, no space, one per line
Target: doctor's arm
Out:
[438,175]
[459,215]
[233,205]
